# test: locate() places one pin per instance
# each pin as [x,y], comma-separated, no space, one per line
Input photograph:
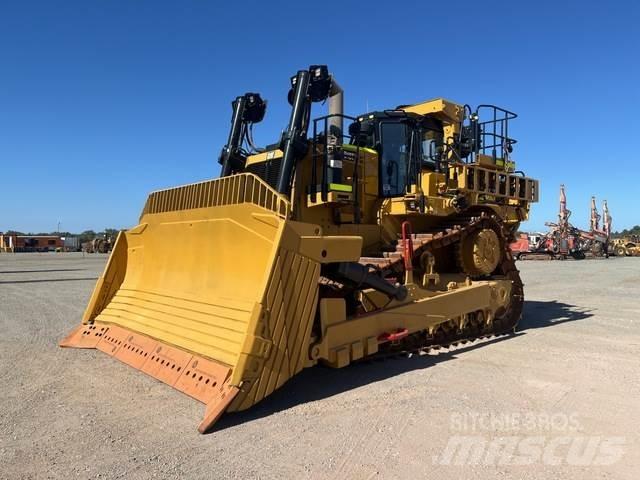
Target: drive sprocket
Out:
[480,252]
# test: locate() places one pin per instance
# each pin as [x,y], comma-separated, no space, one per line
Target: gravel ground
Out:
[559,400]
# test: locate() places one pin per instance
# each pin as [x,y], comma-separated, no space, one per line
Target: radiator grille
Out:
[267,171]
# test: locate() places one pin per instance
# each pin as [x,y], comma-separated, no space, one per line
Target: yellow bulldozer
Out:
[349,238]
[628,246]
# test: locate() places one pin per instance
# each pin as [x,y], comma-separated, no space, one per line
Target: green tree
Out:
[86,236]
[628,232]
[111,233]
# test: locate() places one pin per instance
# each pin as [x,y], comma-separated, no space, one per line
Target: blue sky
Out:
[103,102]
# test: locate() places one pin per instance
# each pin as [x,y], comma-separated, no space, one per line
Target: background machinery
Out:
[564,237]
[565,240]
[628,246]
[607,223]
[98,245]
[351,237]
[533,246]
[596,240]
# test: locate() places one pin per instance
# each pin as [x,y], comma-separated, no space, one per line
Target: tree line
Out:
[628,231]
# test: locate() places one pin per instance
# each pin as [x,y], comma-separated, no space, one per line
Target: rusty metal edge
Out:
[80,337]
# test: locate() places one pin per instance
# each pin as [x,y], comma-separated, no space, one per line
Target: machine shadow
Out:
[42,280]
[43,271]
[322,382]
[547,314]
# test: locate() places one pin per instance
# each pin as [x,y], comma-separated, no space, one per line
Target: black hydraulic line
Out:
[247,110]
[235,137]
[292,136]
[308,86]
[360,275]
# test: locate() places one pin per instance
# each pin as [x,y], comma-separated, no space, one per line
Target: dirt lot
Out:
[559,400]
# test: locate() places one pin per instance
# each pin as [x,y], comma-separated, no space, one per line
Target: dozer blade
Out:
[213,293]
[201,378]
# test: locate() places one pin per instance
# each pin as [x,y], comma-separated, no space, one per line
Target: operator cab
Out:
[406,144]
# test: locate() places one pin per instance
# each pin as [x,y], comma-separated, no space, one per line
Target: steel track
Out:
[452,233]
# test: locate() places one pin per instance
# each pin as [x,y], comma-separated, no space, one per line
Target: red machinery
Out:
[563,239]
[596,240]
[533,245]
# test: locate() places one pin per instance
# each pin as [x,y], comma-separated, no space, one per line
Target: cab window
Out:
[431,146]
[394,158]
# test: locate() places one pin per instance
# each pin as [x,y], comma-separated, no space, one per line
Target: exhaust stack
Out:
[336,107]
